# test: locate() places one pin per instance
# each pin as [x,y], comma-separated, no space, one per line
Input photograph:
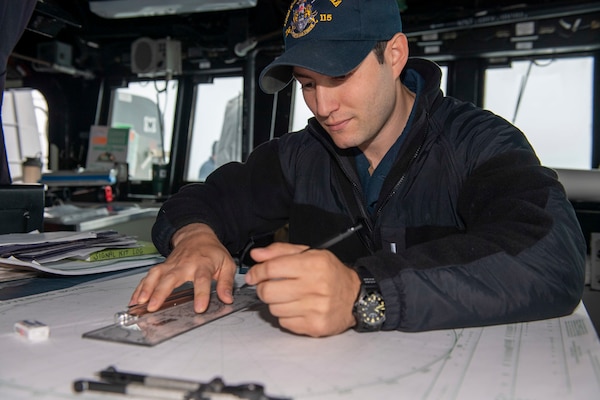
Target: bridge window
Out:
[551,102]
[216,128]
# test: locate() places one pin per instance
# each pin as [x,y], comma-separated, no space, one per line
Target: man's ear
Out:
[397,51]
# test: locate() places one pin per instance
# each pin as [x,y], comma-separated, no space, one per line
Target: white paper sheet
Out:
[74,267]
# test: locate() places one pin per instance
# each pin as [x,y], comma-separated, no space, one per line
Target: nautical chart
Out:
[553,359]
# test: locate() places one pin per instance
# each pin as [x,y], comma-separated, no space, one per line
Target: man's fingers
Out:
[285,265]
[225,289]
[279,292]
[201,295]
[135,295]
[162,290]
[199,258]
[203,282]
[274,250]
[157,285]
[146,287]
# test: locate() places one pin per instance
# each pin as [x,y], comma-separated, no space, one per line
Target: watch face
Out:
[371,309]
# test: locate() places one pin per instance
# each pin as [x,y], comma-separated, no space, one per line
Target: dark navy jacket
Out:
[469,229]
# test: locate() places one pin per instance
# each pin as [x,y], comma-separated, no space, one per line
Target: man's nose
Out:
[327,100]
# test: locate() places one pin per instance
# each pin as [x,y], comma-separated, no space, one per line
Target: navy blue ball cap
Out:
[330,37]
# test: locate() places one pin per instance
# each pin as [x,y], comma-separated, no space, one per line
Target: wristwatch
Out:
[369,308]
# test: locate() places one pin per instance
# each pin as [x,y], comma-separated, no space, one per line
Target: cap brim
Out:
[331,58]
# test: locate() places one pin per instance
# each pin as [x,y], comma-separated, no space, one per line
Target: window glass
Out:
[444,80]
[216,128]
[147,108]
[25,125]
[301,113]
[551,102]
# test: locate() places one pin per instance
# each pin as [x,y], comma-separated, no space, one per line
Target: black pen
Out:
[337,238]
[323,245]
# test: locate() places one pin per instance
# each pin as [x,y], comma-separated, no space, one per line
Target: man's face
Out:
[355,108]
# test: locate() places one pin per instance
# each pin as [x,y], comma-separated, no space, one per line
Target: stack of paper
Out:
[75,253]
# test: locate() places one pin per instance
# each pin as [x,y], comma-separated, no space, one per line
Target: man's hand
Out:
[310,292]
[198,257]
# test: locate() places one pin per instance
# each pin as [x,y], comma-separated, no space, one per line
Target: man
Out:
[461,224]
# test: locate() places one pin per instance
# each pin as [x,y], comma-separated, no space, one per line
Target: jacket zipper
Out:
[397,185]
[355,191]
[367,239]
[403,176]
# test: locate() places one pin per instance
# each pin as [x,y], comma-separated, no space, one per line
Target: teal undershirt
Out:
[372,184]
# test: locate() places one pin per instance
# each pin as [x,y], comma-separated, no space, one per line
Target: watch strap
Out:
[369,290]
[368,280]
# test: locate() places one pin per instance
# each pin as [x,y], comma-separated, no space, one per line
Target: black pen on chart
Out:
[331,241]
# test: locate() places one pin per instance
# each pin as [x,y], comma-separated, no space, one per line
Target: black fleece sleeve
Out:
[237,200]
[520,257]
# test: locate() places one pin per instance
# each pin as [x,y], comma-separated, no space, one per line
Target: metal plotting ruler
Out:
[137,326]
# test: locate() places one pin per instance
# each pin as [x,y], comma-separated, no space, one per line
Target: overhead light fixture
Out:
[152,8]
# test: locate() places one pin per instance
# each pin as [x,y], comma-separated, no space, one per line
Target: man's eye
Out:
[308,85]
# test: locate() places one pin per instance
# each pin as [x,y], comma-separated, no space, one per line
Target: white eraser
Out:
[32,330]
